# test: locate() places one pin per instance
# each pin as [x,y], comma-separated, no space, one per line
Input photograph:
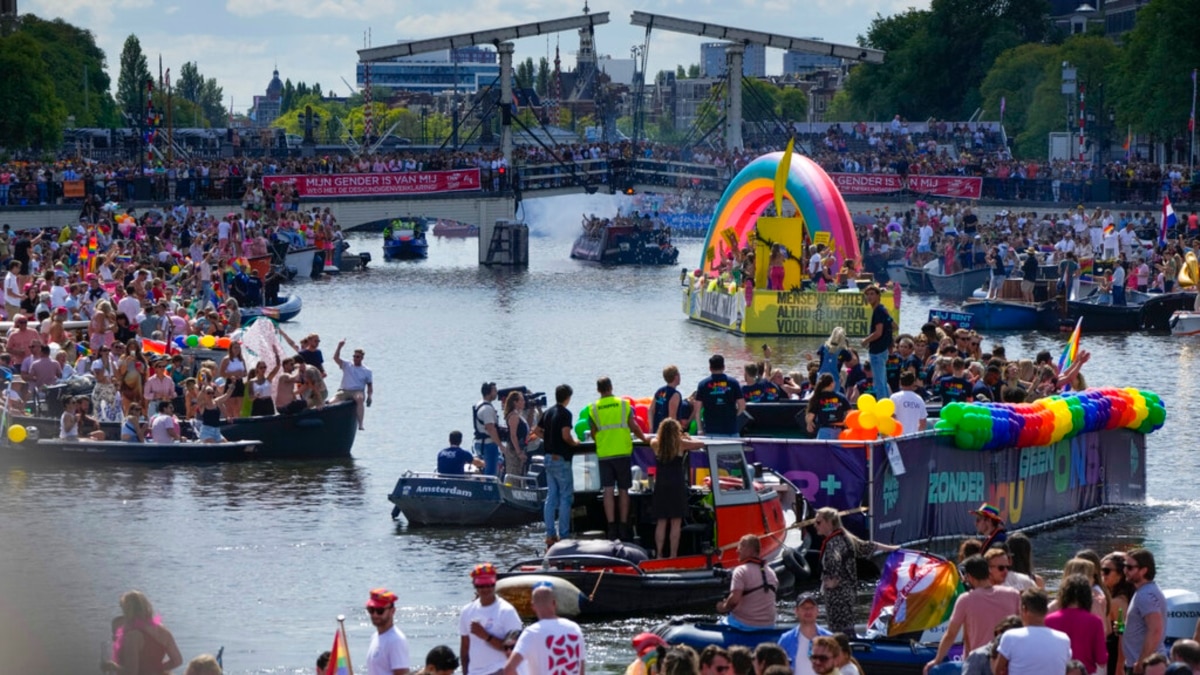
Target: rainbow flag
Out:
[1072,349]
[339,656]
[1109,228]
[920,587]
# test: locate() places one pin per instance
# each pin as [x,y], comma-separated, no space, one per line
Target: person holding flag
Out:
[839,568]
[1168,220]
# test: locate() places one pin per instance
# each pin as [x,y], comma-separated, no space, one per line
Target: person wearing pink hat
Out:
[487,627]
[388,652]
[990,525]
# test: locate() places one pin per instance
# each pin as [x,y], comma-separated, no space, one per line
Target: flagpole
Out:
[342,627]
[1192,124]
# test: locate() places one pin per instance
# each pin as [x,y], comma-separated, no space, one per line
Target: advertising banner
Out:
[941,485]
[371,184]
[958,187]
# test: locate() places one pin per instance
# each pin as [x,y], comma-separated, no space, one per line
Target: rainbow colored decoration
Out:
[807,186]
[986,426]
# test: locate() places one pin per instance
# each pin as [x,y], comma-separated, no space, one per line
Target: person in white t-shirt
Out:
[1034,649]
[487,627]
[552,646]
[388,652]
[357,383]
[911,412]
[164,428]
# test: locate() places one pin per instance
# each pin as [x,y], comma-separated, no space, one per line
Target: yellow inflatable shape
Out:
[16,433]
[1189,274]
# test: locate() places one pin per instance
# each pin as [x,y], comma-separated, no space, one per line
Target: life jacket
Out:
[481,433]
[766,586]
[610,415]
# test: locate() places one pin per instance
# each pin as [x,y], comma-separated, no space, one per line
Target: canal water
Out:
[261,558]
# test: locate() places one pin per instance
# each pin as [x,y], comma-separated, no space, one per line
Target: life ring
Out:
[796,564]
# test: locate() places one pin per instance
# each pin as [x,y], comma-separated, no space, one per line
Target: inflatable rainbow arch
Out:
[716,296]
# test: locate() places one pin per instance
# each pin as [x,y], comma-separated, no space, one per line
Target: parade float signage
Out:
[794,312]
[325,185]
[939,484]
[957,187]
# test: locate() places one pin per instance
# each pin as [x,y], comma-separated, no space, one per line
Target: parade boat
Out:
[612,244]
[1160,307]
[287,308]
[958,284]
[469,500]
[1101,316]
[405,240]
[1010,311]
[789,303]
[122,452]
[596,577]
[327,433]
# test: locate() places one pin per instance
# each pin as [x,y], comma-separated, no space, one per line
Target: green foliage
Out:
[1152,77]
[77,69]
[131,83]
[1015,77]
[525,74]
[793,105]
[32,114]
[842,107]
[205,94]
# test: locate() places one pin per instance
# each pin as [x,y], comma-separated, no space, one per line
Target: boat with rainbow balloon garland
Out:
[781,299]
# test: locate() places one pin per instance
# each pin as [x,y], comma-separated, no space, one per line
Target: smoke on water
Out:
[559,217]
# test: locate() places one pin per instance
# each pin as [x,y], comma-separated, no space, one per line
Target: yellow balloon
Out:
[887,426]
[208,341]
[174,269]
[16,433]
[866,419]
[866,403]
[885,408]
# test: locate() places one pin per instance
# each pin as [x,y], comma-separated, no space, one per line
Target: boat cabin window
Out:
[732,474]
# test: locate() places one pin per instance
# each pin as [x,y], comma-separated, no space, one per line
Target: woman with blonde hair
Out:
[832,354]
[102,325]
[839,567]
[141,644]
[670,500]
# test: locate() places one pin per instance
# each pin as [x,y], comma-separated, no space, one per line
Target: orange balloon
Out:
[852,420]
[223,343]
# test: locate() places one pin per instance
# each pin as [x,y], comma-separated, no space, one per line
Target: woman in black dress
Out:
[670,502]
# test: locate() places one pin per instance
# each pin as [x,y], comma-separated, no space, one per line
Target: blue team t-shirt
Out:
[452,460]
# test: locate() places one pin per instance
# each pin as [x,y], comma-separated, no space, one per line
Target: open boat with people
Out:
[287,308]
[593,577]
[405,240]
[961,284]
[120,451]
[1101,316]
[617,244]
[471,499]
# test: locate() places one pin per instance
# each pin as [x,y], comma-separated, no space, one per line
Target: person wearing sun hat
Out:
[388,653]
[487,627]
[989,525]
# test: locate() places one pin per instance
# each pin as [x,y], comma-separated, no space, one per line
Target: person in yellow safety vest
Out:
[611,422]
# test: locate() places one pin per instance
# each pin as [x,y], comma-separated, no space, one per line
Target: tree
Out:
[212,103]
[793,105]
[543,77]
[1152,77]
[1015,77]
[693,71]
[77,68]
[1050,111]
[131,84]
[190,82]
[32,114]
[680,72]
[841,108]
[525,74]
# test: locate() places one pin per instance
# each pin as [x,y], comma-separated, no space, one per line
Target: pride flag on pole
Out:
[1072,349]
[1168,220]
[920,587]
[339,656]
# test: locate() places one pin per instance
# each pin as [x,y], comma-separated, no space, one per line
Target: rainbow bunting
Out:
[339,657]
[921,589]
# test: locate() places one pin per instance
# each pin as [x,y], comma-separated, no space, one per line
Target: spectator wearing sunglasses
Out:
[388,651]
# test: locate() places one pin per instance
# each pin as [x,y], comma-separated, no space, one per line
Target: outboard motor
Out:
[1183,609]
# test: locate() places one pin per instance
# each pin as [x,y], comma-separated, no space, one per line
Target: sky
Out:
[240,42]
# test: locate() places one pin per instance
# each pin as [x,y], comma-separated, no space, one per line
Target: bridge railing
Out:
[680,175]
[555,175]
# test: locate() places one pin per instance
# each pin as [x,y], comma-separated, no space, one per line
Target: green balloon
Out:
[192,341]
[953,412]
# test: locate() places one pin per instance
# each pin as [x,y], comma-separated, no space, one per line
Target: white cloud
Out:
[358,10]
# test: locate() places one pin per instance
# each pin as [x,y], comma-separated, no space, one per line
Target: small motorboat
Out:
[609,578]
[958,284]
[1003,314]
[1100,315]
[120,451]
[405,240]
[916,277]
[1160,307]
[452,228]
[1185,323]
[468,500]
[285,310]
[625,245]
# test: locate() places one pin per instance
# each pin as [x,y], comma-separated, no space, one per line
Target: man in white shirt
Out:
[911,412]
[130,305]
[552,646]
[356,379]
[925,237]
[12,290]
[388,652]
[488,626]
[1033,649]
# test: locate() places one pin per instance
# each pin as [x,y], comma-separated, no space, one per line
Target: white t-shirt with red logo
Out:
[552,647]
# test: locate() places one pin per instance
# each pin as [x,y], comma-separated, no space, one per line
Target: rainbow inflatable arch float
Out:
[781,301]
[822,213]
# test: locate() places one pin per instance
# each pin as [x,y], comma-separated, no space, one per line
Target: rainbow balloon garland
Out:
[985,426]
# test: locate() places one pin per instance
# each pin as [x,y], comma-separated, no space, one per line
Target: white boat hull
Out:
[1185,323]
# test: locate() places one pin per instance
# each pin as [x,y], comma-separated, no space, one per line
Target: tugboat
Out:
[729,499]
[625,241]
[405,240]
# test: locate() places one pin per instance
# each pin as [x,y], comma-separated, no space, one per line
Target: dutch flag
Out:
[1168,220]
